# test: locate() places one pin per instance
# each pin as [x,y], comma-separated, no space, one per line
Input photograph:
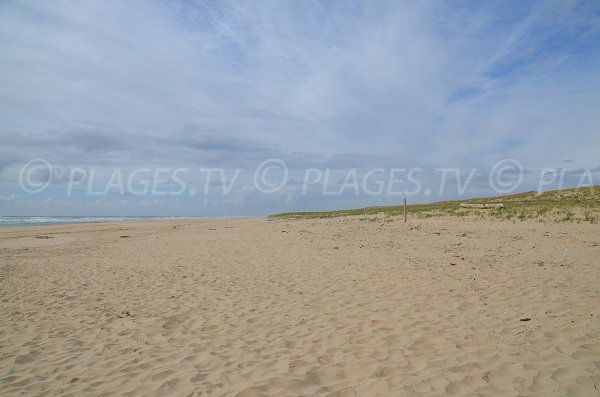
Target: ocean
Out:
[19,221]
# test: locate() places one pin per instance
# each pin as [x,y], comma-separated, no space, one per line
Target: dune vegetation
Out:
[580,205]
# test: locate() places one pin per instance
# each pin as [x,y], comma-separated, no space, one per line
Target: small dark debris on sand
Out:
[125,314]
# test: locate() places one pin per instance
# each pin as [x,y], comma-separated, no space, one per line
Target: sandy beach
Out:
[272,307]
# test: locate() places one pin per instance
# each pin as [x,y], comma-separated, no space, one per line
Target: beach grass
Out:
[580,205]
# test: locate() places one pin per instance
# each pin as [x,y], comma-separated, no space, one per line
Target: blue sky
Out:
[108,85]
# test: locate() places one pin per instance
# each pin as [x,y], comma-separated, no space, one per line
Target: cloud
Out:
[10,199]
[344,84]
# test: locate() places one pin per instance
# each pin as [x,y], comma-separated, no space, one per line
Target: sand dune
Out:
[338,307]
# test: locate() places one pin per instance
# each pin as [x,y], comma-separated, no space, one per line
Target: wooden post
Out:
[404,209]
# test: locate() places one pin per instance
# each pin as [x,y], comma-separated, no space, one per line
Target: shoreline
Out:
[128,219]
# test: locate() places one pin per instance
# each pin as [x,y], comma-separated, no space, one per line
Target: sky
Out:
[210,108]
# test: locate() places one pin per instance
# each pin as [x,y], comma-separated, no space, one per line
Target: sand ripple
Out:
[338,307]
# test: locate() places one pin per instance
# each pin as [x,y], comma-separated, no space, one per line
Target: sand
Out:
[337,307]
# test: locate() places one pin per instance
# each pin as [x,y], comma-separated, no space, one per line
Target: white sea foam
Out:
[7,221]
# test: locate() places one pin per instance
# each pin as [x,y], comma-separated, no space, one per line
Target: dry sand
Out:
[338,307]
